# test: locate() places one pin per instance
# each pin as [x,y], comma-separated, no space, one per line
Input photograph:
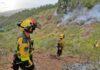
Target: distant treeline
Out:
[8,23]
[66,5]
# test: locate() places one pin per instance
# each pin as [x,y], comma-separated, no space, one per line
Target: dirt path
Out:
[43,61]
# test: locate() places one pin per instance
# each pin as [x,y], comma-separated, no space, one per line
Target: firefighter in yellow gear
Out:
[23,55]
[60,44]
[97,44]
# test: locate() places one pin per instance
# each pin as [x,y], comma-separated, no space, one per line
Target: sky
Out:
[7,5]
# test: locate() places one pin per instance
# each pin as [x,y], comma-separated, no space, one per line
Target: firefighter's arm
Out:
[19,42]
[30,63]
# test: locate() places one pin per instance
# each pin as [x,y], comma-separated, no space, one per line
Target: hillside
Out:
[79,40]
[9,13]
[79,11]
[64,6]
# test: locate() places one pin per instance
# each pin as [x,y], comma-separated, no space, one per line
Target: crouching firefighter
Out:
[23,54]
[97,44]
[60,45]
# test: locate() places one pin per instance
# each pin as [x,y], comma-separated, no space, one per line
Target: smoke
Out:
[83,15]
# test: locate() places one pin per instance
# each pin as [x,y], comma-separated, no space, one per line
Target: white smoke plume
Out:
[83,15]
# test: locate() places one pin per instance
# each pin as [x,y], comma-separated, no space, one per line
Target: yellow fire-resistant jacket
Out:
[61,42]
[24,48]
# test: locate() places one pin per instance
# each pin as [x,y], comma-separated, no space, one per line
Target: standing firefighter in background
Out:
[23,55]
[60,45]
